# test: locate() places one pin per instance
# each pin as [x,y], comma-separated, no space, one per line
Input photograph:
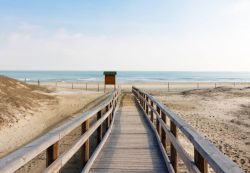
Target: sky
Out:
[159,35]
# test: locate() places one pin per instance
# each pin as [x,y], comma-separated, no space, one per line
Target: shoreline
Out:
[125,77]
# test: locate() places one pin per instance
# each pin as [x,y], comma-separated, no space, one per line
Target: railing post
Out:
[52,153]
[157,121]
[110,116]
[163,134]
[152,112]
[147,105]
[99,129]
[141,99]
[107,120]
[143,104]
[200,162]
[173,152]
[85,147]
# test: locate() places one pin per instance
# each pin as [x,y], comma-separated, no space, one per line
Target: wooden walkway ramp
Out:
[132,145]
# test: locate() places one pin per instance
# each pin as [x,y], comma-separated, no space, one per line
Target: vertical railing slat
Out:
[157,121]
[152,112]
[147,105]
[163,134]
[107,120]
[85,147]
[200,162]
[173,152]
[52,153]
[99,129]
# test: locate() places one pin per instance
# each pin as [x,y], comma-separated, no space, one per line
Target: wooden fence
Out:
[50,141]
[205,153]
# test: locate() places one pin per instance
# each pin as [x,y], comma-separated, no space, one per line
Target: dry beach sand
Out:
[27,111]
[222,115]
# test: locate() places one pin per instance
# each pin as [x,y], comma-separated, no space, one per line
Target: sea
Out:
[130,76]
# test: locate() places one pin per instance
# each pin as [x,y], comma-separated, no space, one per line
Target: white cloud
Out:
[31,47]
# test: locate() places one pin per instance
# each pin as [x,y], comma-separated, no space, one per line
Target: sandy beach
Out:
[222,115]
[220,112]
[25,107]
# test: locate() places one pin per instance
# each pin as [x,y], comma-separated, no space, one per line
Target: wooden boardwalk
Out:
[132,145]
[130,138]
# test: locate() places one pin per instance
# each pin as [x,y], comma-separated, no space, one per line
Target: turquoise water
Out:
[130,76]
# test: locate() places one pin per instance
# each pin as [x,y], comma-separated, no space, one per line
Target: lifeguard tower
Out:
[109,79]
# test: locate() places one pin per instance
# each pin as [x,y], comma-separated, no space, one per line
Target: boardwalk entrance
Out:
[131,146]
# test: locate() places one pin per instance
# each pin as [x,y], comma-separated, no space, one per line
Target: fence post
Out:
[173,152]
[98,87]
[72,85]
[147,105]
[99,129]
[52,153]
[85,147]
[200,162]
[38,82]
[168,86]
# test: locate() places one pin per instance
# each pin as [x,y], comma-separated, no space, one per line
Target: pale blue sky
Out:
[125,35]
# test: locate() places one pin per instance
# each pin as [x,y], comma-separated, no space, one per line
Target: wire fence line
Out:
[167,86]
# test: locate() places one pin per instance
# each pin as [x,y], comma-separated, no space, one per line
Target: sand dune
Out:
[27,111]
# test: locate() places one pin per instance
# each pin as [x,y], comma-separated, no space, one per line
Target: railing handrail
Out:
[23,155]
[214,157]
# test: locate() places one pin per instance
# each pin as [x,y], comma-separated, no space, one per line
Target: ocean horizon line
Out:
[130,76]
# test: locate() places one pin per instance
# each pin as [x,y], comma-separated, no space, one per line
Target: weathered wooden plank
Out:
[128,149]
[112,170]
[119,152]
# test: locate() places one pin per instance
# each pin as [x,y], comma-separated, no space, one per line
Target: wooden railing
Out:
[205,153]
[49,142]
